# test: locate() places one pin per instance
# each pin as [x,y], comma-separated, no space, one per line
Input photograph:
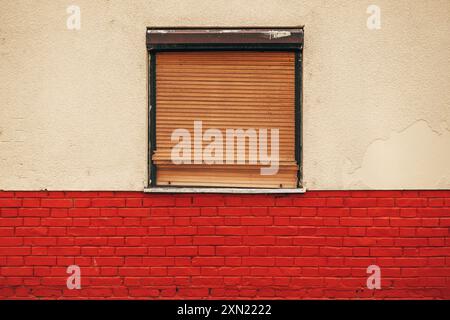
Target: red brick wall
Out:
[314,245]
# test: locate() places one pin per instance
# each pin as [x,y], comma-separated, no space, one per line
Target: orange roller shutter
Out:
[225,90]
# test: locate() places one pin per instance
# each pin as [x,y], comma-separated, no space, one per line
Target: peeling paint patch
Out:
[230,31]
[278,34]
[158,31]
[417,157]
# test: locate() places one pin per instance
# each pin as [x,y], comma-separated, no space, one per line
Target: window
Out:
[225,107]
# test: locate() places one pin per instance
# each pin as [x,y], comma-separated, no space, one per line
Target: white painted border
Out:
[222,190]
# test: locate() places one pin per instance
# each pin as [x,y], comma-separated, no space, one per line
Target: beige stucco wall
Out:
[73,104]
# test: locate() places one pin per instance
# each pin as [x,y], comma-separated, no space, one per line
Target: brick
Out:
[435,193]
[40,261]
[310,202]
[282,221]
[108,212]
[310,261]
[31,231]
[180,230]
[108,202]
[284,211]
[234,211]
[258,261]
[408,212]
[335,202]
[381,222]
[59,212]
[131,231]
[181,251]
[233,200]
[411,242]
[159,201]
[31,202]
[10,222]
[206,251]
[444,222]
[208,261]
[335,251]
[257,221]
[80,194]
[283,251]
[433,212]
[258,201]
[40,241]
[131,251]
[207,221]
[6,231]
[411,202]
[16,271]
[109,261]
[327,193]
[7,194]
[10,202]
[377,252]
[361,202]
[131,221]
[157,221]
[285,201]
[308,212]
[333,212]
[232,250]
[278,230]
[158,261]
[84,212]
[432,232]
[206,230]
[10,241]
[103,222]
[82,203]
[259,211]
[438,242]
[332,231]
[405,222]
[231,230]
[208,211]
[64,251]
[356,221]
[183,201]
[209,240]
[8,212]
[385,202]
[81,231]
[133,202]
[382,232]
[436,202]
[134,212]
[57,203]
[31,221]
[443,252]
[56,222]
[383,212]
[186,212]
[430,222]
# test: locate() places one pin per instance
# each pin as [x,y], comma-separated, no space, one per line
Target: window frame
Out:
[164,39]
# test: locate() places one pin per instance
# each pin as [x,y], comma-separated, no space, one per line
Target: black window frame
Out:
[163,39]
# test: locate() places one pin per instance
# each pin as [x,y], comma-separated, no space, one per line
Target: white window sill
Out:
[223,190]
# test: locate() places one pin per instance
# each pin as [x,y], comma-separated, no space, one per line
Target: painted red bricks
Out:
[312,245]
